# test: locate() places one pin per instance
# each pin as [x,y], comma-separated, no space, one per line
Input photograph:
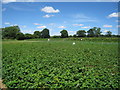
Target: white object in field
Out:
[48,39]
[73,43]
[81,39]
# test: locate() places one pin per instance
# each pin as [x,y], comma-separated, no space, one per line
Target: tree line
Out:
[13,32]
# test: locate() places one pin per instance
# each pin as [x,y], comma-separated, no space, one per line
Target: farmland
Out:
[59,64]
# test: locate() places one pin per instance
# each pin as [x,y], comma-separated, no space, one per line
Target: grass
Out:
[59,64]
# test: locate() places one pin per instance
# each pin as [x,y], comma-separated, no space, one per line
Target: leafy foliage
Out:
[20,36]
[59,64]
[37,34]
[94,32]
[28,36]
[10,32]
[109,33]
[81,33]
[13,32]
[45,33]
[64,33]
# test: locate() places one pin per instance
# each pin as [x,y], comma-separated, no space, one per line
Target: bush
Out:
[28,36]
[55,36]
[20,36]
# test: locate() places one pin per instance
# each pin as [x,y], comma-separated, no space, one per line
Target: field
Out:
[59,64]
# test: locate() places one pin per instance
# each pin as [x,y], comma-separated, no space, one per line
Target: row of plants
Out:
[60,65]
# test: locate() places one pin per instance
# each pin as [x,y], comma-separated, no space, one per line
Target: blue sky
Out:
[56,16]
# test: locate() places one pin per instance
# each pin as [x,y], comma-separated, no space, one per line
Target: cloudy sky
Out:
[56,16]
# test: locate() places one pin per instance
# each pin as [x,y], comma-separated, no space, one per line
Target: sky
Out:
[56,16]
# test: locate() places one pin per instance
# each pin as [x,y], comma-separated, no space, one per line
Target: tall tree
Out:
[94,32]
[91,33]
[10,32]
[109,33]
[20,36]
[64,33]
[28,36]
[37,34]
[97,32]
[81,33]
[45,33]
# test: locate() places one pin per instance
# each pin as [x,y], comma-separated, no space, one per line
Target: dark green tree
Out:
[37,34]
[94,32]
[91,33]
[70,36]
[81,33]
[97,32]
[28,36]
[10,32]
[55,36]
[64,33]
[45,33]
[20,36]
[74,35]
[109,33]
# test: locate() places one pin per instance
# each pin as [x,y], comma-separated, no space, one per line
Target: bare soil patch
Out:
[2,86]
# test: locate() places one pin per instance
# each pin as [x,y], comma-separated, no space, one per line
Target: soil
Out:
[2,86]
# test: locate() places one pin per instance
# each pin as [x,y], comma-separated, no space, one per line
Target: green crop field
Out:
[60,64]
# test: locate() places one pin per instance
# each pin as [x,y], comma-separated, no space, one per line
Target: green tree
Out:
[109,33]
[37,34]
[20,36]
[91,33]
[10,32]
[55,36]
[28,36]
[94,32]
[81,33]
[97,32]
[74,35]
[45,33]
[64,33]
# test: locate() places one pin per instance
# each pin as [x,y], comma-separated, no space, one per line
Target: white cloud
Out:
[61,27]
[107,25]
[47,16]
[78,24]
[41,27]
[37,24]
[115,14]
[7,23]
[86,27]
[8,1]
[49,9]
